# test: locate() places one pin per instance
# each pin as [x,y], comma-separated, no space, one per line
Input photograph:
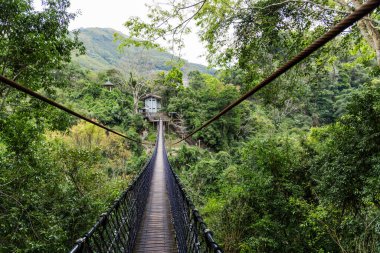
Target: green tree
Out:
[255,37]
[35,44]
[169,84]
[213,96]
[348,150]
[196,80]
[264,26]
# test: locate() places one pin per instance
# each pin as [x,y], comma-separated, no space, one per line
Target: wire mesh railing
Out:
[116,229]
[192,233]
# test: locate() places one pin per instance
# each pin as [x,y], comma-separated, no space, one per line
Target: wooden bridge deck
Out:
[156,233]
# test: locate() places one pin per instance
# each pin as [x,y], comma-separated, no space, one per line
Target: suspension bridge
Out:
[153,215]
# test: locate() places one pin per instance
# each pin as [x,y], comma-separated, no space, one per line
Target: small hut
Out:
[152,103]
[108,85]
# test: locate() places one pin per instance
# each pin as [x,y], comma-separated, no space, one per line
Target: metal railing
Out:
[192,234]
[116,229]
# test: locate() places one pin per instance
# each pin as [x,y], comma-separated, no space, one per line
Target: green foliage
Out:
[55,178]
[214,96]
[293,169]
[347,156]
[53,188]
[250,39]
[35,43]
[102,53]
[289,190]
[196,80]
[170,84]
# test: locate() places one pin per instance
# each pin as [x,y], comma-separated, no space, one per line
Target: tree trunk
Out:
[374,36]
[367,28]
[135,102]
[3,95]
[369,32]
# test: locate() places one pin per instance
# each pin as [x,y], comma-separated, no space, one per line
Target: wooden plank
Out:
[156,233]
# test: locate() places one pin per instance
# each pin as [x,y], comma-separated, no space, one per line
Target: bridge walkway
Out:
[156,233]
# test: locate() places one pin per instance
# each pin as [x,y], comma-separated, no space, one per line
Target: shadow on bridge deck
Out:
[156,232]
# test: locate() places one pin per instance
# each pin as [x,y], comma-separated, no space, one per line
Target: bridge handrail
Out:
[117,228]
[192,233]
[209,244]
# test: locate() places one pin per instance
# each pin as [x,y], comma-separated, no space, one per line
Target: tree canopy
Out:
[295,168]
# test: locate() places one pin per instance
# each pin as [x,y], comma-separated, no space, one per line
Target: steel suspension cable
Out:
[351,19]
[32,93]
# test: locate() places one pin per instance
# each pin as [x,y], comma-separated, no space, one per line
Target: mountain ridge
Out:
[102,53]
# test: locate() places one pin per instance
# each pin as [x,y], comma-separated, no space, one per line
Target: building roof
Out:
[150,95]
[108,83]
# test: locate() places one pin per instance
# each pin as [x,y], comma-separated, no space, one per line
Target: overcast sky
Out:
[113,13]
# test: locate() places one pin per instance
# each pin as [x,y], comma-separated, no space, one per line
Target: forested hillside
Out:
[294,168]
[102,53]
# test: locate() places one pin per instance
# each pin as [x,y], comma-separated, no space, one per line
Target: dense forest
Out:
[295,168]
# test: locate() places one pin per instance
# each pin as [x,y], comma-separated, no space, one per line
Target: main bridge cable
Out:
[63,108]
[355,16]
